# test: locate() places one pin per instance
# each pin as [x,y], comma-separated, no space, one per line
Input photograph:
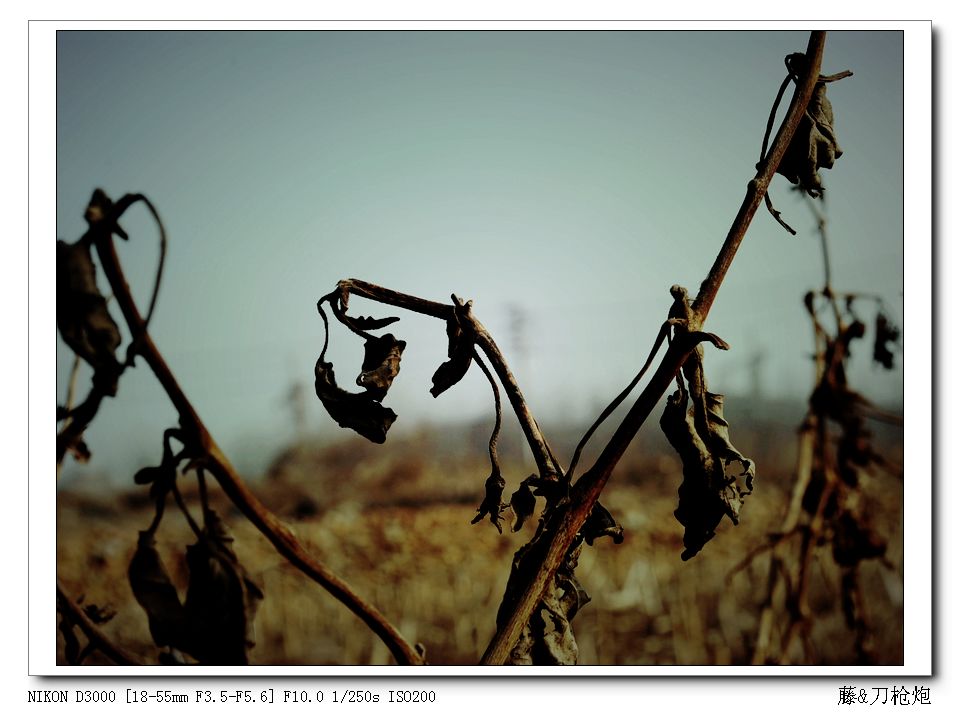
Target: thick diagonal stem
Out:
[588,488]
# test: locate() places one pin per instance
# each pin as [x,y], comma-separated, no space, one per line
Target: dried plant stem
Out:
[825,252]
[278,533]
[587,490]
[97,637]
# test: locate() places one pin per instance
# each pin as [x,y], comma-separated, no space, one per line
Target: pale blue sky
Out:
[576,175]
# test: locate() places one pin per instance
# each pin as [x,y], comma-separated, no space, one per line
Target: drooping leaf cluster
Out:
[362,412]
[214,622]
[716,476]
[830,506]
[85,324]
[814,145]
[853,536]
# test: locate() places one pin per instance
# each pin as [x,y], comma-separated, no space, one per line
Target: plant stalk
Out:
[587,489]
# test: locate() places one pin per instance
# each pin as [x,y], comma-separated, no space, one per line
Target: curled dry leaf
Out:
[84,322]
[491,504]
[600,523]
[814,145]
[523,503]
[154,591]
[357,411]
[885,333]
[222,599]
[381,363]
[716,476]
[369,323]
[460,343]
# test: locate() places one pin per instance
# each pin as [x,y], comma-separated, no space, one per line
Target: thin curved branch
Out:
[278,533]
[615,403]
[498,421]
[586,491]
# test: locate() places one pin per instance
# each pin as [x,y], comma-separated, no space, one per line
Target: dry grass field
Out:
[394,521]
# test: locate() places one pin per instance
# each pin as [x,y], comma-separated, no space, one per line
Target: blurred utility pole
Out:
[756,364]
[296,400]
[518,358]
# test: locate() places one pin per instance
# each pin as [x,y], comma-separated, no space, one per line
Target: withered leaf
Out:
[855,540]
[221,602]
[491,504]
[885,333]
[523,504]
[154,591]
[716,477]
[381,363]
[814,145]
[600,523]
[154,473]
[83,319]
[357,411]
[369,323]
[460,354]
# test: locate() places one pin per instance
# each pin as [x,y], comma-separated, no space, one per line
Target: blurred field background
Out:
[394,521]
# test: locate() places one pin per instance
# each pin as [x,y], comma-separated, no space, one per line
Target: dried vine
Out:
[542,595]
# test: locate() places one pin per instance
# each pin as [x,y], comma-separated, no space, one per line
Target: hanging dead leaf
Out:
[460,344]
[491,504]
[716,477]
[814,145]
[221,602]
[84,322]
[369,323]
[600,523]
[357,411]
[381,364]
[523,504]
[885,334]
[154,591]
